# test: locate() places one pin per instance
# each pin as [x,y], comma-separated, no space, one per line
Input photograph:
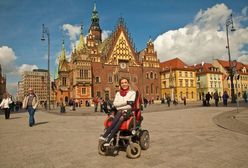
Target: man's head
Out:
[30,90]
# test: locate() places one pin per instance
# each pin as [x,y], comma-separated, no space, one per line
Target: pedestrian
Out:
[175,102]
[168,99]
[123,103]
[208,97]
[225,98]
[216,98]
[184,100]
[95,101]
[101,102]
[145,102]
[30,103]
[5,105]
[245,97]
[62,107]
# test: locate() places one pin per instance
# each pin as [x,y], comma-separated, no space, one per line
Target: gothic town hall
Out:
[96,66]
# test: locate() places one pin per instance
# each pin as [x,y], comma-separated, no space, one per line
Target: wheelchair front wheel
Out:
[101,148]
[133,150]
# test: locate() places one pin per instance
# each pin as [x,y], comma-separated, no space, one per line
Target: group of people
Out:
[217,98]
[30,103]
[99,101]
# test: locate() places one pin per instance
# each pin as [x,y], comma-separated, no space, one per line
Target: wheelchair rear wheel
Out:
[133,150]
[144,140]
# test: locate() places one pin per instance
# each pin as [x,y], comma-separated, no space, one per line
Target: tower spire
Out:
[81,45]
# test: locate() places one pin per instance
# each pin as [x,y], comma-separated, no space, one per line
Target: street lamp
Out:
[45,30]
[229,22]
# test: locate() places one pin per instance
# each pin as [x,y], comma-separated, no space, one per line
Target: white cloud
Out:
[205,38]
[72,31]
[105,34]
[26,67]
[7,59]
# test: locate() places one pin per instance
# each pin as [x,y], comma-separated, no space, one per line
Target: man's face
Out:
[124,84]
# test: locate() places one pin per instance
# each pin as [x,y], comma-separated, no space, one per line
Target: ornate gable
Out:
[122,48]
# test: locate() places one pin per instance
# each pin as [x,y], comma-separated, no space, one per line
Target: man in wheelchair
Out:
[124,116]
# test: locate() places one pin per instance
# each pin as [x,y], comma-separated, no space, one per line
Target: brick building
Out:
[96,66]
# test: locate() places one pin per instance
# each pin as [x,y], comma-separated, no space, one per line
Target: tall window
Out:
[98,80]
[110,79]
[83,91]
[180,73]
[116,78]
[86,74]
[192,95]
[98,94]
[186,83]
[81,73]
[152,88]
[151,75]
[192,83]
[181,83]
[147,89]
[64,81]
[156,89]
[135,79]
[164,84]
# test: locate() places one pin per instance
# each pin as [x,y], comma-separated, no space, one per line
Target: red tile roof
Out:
[175,63]
[239,65]
[205,68]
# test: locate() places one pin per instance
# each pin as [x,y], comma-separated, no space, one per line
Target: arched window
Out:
[151,75]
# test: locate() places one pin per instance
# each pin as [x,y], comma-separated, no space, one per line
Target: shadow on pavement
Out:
[40,123]
[13,118]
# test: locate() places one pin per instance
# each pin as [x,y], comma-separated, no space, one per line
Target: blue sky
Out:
[192,30]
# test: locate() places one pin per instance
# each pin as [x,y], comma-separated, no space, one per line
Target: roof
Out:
[239,65]
[175,63]
[205,68]
[226,64]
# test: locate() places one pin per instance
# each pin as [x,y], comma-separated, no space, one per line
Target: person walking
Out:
[30,103]
[5,105]
[168,99]
[225,98]
[95,101]
[245,97]
[184,100]
[216,98]
[208,97]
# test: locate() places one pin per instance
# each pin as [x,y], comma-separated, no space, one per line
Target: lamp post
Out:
[45,31]
[229,22]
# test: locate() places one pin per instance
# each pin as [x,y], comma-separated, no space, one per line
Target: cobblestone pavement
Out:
[181,137]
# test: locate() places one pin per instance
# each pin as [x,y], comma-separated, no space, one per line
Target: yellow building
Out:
[209,79]
[240,79]
[178,80]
